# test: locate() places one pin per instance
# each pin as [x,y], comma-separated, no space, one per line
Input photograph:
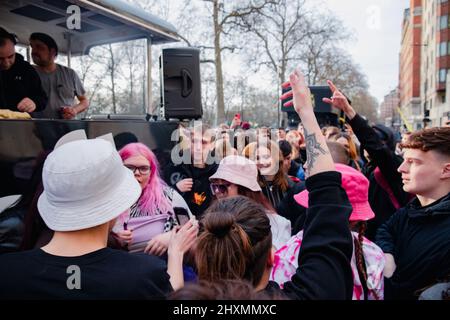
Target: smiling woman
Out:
[272,176]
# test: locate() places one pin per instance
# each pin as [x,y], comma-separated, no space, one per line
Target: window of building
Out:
[442,75]
[443,47]
[443,22]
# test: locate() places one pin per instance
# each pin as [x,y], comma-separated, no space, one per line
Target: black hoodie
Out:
[19,82]
[419,239]
[199,198]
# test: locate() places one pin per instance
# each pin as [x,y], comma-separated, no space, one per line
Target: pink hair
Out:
[152,196]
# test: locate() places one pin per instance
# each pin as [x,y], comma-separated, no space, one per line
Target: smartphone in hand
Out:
[182,215]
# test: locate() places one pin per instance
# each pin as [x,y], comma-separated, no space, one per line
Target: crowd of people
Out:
[306,213]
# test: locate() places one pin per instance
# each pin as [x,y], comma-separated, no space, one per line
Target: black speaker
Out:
[180,83]
[317,94]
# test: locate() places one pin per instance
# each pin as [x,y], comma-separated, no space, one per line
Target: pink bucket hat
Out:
[238,170]
[357,187]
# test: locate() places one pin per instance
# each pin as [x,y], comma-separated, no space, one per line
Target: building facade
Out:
[389,110]
[425,63]
[410,66]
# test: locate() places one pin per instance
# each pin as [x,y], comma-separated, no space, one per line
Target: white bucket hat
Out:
[85,185]
[238,170]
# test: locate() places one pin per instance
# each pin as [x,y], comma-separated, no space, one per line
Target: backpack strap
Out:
[385,185]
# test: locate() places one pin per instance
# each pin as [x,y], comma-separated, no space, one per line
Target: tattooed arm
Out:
[324,270]
[318,155]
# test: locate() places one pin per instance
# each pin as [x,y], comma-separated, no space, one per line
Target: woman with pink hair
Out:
[145,226]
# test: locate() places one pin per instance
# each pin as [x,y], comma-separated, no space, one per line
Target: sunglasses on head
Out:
[220,187]
[142,169]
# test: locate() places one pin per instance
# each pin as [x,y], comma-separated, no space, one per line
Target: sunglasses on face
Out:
[220,187]
[142,169]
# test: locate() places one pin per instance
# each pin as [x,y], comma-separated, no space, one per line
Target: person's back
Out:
[367,261]
[86,187]
[102,274]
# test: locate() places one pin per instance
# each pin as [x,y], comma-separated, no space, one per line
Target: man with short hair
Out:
[61,84]
[20,86]
[416,239]
[281,134]
[190,174]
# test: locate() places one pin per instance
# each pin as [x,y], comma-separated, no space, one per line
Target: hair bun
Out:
[220,224]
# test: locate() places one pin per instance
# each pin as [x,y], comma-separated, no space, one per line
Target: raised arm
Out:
[379,153]
[317,153]
[324,270]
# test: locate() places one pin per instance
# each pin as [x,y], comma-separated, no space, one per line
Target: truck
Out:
[102,22]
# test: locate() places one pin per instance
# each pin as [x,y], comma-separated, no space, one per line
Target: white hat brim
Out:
[93,212]
[233,177]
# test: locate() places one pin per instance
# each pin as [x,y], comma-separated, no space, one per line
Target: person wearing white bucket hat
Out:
[238,175]
[86,187]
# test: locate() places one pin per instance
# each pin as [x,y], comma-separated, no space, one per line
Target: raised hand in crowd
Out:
[236,121]
[340,101]
[318,155]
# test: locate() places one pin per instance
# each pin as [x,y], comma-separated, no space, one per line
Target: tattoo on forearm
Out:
[313,150]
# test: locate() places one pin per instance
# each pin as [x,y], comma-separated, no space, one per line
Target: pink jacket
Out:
[286,263]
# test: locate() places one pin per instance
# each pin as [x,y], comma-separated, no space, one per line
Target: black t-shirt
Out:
[103,274]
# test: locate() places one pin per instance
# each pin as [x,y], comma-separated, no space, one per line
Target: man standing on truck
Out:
[61,84]
[20,86]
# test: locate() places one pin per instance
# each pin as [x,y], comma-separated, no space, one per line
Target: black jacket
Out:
[324,270]
[384,158]
[272,192]
[291,210]
[199,198]
[19,82]
[11,229]
[419,239]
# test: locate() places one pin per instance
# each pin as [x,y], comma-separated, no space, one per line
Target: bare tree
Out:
[366,105]
[286,32]
[224,15]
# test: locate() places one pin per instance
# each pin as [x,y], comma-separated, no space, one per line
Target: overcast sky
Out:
[377,27]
